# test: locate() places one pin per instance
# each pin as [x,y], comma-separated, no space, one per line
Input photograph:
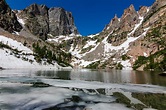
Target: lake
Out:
[77,89]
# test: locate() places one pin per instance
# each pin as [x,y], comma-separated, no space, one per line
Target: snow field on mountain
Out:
[90,43]
[14,44]
[123,48]
[61,38]
[23,59]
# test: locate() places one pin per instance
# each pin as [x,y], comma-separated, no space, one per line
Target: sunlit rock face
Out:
[129,19]
[143,10]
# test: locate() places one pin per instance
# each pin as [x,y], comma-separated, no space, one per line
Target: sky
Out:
[90,16]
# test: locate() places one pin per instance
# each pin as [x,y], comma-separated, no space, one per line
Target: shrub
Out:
[119,66]
[125,57]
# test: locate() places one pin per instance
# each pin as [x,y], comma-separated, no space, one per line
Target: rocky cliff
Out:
[43,21]
[8,20]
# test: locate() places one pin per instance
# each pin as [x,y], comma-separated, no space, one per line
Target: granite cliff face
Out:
[61,22]
[8,20]
[43,21]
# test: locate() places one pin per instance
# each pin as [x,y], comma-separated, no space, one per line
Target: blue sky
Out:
[90,16]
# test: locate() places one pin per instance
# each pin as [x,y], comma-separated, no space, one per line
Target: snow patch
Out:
[145,54]
[23,59]
[90,43]
[126,65]
[50,35]
[61,38]
[84,63]
[14,44]
[17,33]
[136,26]
[75,51]
[148,9]
[109,106]
[93,49]
[21,21]
[108,28]
[109,49]
[9,60]
[93,35]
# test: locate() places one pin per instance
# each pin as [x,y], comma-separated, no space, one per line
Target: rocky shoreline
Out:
[1,68]
[150,100]
[163,73]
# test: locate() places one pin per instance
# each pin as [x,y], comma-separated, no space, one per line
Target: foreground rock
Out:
[1,68]
[163,74]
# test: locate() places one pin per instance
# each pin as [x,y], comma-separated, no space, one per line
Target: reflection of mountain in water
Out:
[112,76]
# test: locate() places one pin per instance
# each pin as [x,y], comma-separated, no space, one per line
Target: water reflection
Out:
[148,77]
[112,76]
[65,75]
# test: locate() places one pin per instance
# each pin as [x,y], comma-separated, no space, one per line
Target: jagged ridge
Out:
[122,40]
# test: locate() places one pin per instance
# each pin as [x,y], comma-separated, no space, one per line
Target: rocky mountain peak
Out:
[36,9]
[126,23]
[129,19]
[113,24]
[8,20]
[143,10]
[131,7]
[115,18]
[157,4]
[129,12]
[160,0]
[61,22]
[43,21]
[3,6]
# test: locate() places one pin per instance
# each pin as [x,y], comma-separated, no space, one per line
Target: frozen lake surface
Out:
[75,89]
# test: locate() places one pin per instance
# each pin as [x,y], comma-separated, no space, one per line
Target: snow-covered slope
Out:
[94,50]
[122,49]
[21,58]
[97,48]
[119,45]
[59,39]
[14,44]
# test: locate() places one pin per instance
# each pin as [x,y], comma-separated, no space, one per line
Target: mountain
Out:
[46,22]
[23,35]
[136,40]
[124,42]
